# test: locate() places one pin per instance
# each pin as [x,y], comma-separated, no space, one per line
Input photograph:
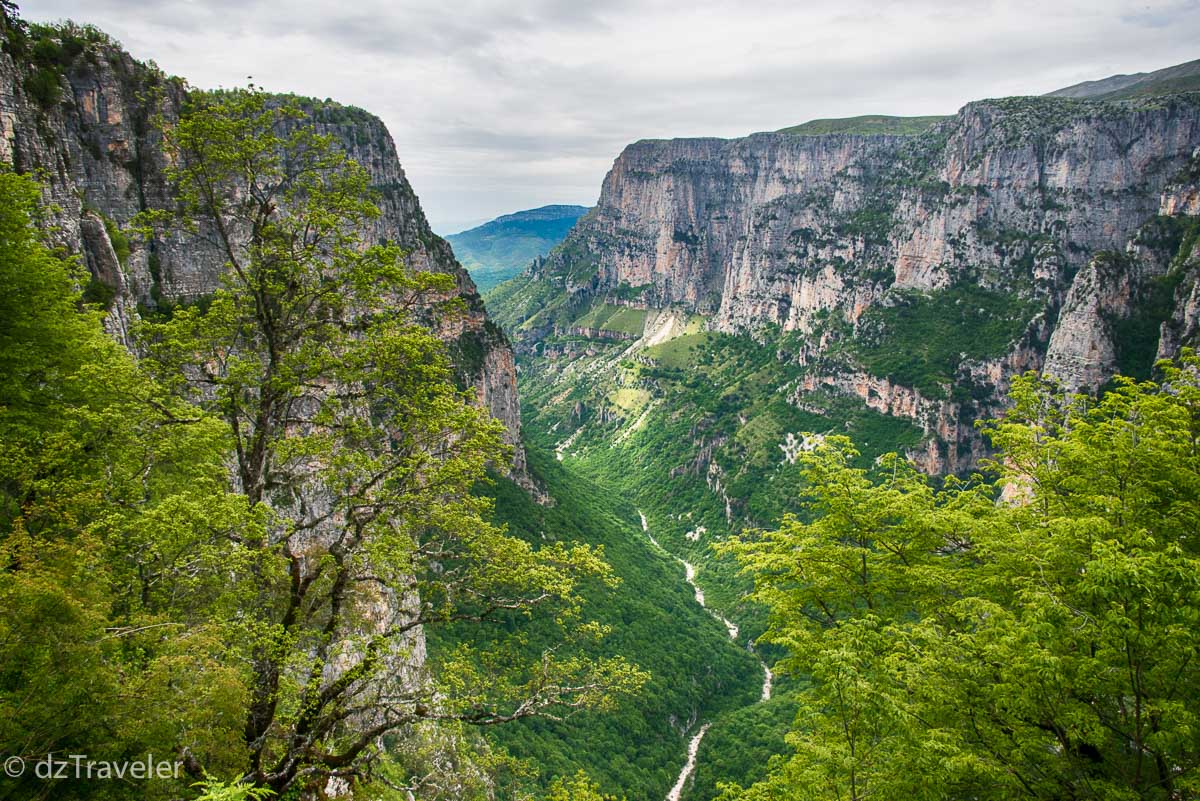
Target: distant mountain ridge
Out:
[1169,80]
[553,212]
[498,250]
[867,124]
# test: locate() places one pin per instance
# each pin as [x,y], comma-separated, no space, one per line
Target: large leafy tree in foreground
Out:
[358,457]
[231,551]
[1043,645]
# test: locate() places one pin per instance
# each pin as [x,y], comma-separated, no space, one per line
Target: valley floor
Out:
[638,430]
[649,749]
[694,744]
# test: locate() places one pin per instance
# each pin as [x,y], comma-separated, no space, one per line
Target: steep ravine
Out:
[693,748]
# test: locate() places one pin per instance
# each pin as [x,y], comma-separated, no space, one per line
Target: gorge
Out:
[886,282]
[727,308]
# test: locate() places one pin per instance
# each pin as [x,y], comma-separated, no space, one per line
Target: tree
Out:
[577,788]
[358,457]
[874,550]
[105,492]
[1044,646]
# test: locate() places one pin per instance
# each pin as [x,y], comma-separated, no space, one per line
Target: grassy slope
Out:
[1169,86]
[1170,80]
[617,319]
[866,124]
[524,303]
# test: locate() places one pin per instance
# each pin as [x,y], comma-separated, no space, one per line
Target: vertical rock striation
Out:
[1053,225]
[97,145]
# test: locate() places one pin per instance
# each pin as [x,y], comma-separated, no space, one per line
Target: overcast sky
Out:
[506,105]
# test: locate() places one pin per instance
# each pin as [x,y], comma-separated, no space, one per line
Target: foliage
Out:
[469,352]
[921,339]
[706,398]
[872,223]
[118,239]
[1136,335]
[607,317]
[577,788]
[50,50]
[867,125]
[44,87]
[682,351]
[217,790]
[498,250]
[694,670]
[358,456]
[527,302]
[98,293]
[1042,647]
[742,745]
[112,501]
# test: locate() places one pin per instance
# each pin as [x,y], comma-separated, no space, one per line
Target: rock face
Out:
[775,228]
[1064,219]
[96,142]
[684,218]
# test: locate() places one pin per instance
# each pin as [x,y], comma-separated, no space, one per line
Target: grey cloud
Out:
[1151,17]
[515,103]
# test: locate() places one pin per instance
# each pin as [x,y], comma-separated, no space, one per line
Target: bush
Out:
[98,293]
[44,87]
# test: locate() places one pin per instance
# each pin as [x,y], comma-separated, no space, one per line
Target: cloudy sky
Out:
[499,105]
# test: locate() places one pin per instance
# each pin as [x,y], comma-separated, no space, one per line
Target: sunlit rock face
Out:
[1025,198]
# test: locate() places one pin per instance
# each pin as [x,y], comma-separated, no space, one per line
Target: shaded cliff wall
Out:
[93,136]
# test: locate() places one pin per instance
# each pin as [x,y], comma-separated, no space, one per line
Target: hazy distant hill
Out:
[498,250]
[1180,78]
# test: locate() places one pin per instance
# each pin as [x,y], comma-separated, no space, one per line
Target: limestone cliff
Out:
[1050,225]
[86,122]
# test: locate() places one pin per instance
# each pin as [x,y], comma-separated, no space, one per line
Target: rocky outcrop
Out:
[677,217]
[1082,352]
[779,228]
[96,141]
[1048,211]
[941,421]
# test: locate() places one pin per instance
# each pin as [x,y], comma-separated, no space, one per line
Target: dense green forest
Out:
[696,673]
[1032,635]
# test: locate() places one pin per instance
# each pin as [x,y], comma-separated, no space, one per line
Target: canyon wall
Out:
[92,133]
[1061,228]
